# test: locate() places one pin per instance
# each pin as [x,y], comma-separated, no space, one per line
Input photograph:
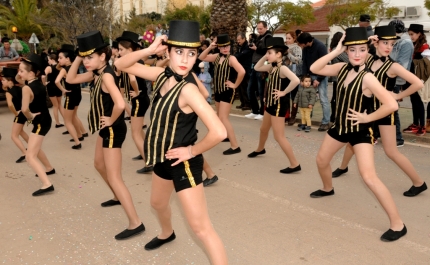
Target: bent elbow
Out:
[24,109]
[394,106]
[221,133]
[120,105]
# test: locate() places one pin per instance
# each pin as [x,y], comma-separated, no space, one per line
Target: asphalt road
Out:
[262,216]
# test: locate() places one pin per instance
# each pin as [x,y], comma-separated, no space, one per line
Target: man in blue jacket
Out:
[312,50]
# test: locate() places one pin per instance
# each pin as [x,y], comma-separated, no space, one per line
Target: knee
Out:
[370,179]
[99,165]
[158,205]
[322,161]
[200,229]
[278,137]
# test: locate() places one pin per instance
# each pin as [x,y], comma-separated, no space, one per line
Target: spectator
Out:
[7,52]
[256,81]
[402,53]
[244,56]
[298,32]
[294,56]
[364,22]
[312,50]
[206,79]
[202,37]
[251,38]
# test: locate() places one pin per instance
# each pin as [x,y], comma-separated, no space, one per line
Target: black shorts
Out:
[361,137]
[225,96]
[388,120]
[279,109]
[139,105]
[42,124]
[72,101]
[113,136]
[53,91]
[185,175]
[20,119]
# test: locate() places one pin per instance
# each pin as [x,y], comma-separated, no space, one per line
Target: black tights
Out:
[418,109]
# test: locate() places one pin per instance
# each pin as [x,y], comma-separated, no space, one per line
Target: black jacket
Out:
[261,46]
[311,54]
[244,56]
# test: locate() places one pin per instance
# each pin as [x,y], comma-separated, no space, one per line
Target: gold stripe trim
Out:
[189,174]
[388,37]
[371,136]
[87,52]
[137,108]
[392,118]
[67,102]
[223,44]
[355,42]
[38,129]
[111,135]
[185,44]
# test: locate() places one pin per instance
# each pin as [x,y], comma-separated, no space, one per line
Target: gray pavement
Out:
[262,216]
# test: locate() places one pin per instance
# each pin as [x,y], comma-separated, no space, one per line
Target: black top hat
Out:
[355,36]
[184,33]
[67,48]
[364,18]
[386,33]
[275,42]
[35,60]
[416,28]
[90,42]
[9,72]
[129,36]
[223,40]
[115,44]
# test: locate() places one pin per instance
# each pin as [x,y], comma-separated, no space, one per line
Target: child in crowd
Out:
[206,79]
[305,100]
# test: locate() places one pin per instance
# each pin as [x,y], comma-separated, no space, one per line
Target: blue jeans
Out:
[399,136]
[256,87]
[322,90]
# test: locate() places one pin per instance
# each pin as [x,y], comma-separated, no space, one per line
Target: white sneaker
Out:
[259,117]
[251,115]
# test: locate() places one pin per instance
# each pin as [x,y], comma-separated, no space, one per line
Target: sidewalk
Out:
[405,115]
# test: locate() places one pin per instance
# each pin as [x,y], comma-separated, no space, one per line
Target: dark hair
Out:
[292,34]
[277,49]
[107,51]
[264,23]
[298,32]
[128,45]
[206,42]
[304,38]
[304,77]
[420,42]
[335,40]
[5,39]
[53,56]
[11,79]
[214,34]
[242,35]
[31,68]
[71,55]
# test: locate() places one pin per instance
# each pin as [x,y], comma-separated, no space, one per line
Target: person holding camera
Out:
[244,56]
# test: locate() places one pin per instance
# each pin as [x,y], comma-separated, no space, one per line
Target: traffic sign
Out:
[33,39]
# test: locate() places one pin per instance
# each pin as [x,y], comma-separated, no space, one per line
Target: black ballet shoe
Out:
[414,191]
[144,126]
[43,191]
[66,132]
[232,151]
[226,140]
[210,181]
[321,193]
[139,157]
[339,172]
[254,154]
[20,159]
[48,173]
[80,139]
[391,235]
[156,242]
[85,135]
[127,118]
[145,170]
[110,203]
[129,233]
[77,146]
[289,170]
[59,125]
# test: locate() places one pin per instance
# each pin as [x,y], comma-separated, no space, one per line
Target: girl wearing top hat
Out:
[356,85]
[73,96]
[136,92]
[418,38]
[54,93]
[107,116]
[14,99]
[170,143]
[386,71]
[281,81]
[225,84]
[36,111]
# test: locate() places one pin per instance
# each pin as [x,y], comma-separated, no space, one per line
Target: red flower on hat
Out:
[149,36]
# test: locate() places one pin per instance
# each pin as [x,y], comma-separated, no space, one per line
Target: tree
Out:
[190,12]
[346,14]
[427,5]
[229,16]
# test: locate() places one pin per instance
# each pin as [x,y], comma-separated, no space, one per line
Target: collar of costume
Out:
[355,67]
[382,58]
[275,64]
[169,73]
[96,72]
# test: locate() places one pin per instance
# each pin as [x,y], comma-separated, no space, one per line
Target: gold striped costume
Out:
[276,107]
[222,73]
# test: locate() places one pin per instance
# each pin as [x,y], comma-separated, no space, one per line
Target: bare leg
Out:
[207,169]
[60,106]
[33,148]
[44,160]
[278,126]
[347,155]
[264,131]
[79,127]
[389,143]
[366,165]
[55,109]
[16,131]
[99,163]
[193,202]
[137,133]
[223,113]
[24,135]
[161,191]
[68,121]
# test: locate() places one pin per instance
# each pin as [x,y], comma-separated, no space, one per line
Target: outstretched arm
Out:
[205,56]
[74,78]
[321,66]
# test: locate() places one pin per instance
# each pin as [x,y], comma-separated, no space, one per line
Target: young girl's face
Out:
[384,47]
[289,39]
[306,82]
[414,36]
[115,51]
[24,74]
[6,83]
[94,61]
[357,54]
[182,59]
[50,61]
[123,51]
[224,49]
[63,60]
[273,56]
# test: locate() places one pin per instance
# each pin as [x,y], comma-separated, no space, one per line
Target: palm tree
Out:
[229,16]
[21,15]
